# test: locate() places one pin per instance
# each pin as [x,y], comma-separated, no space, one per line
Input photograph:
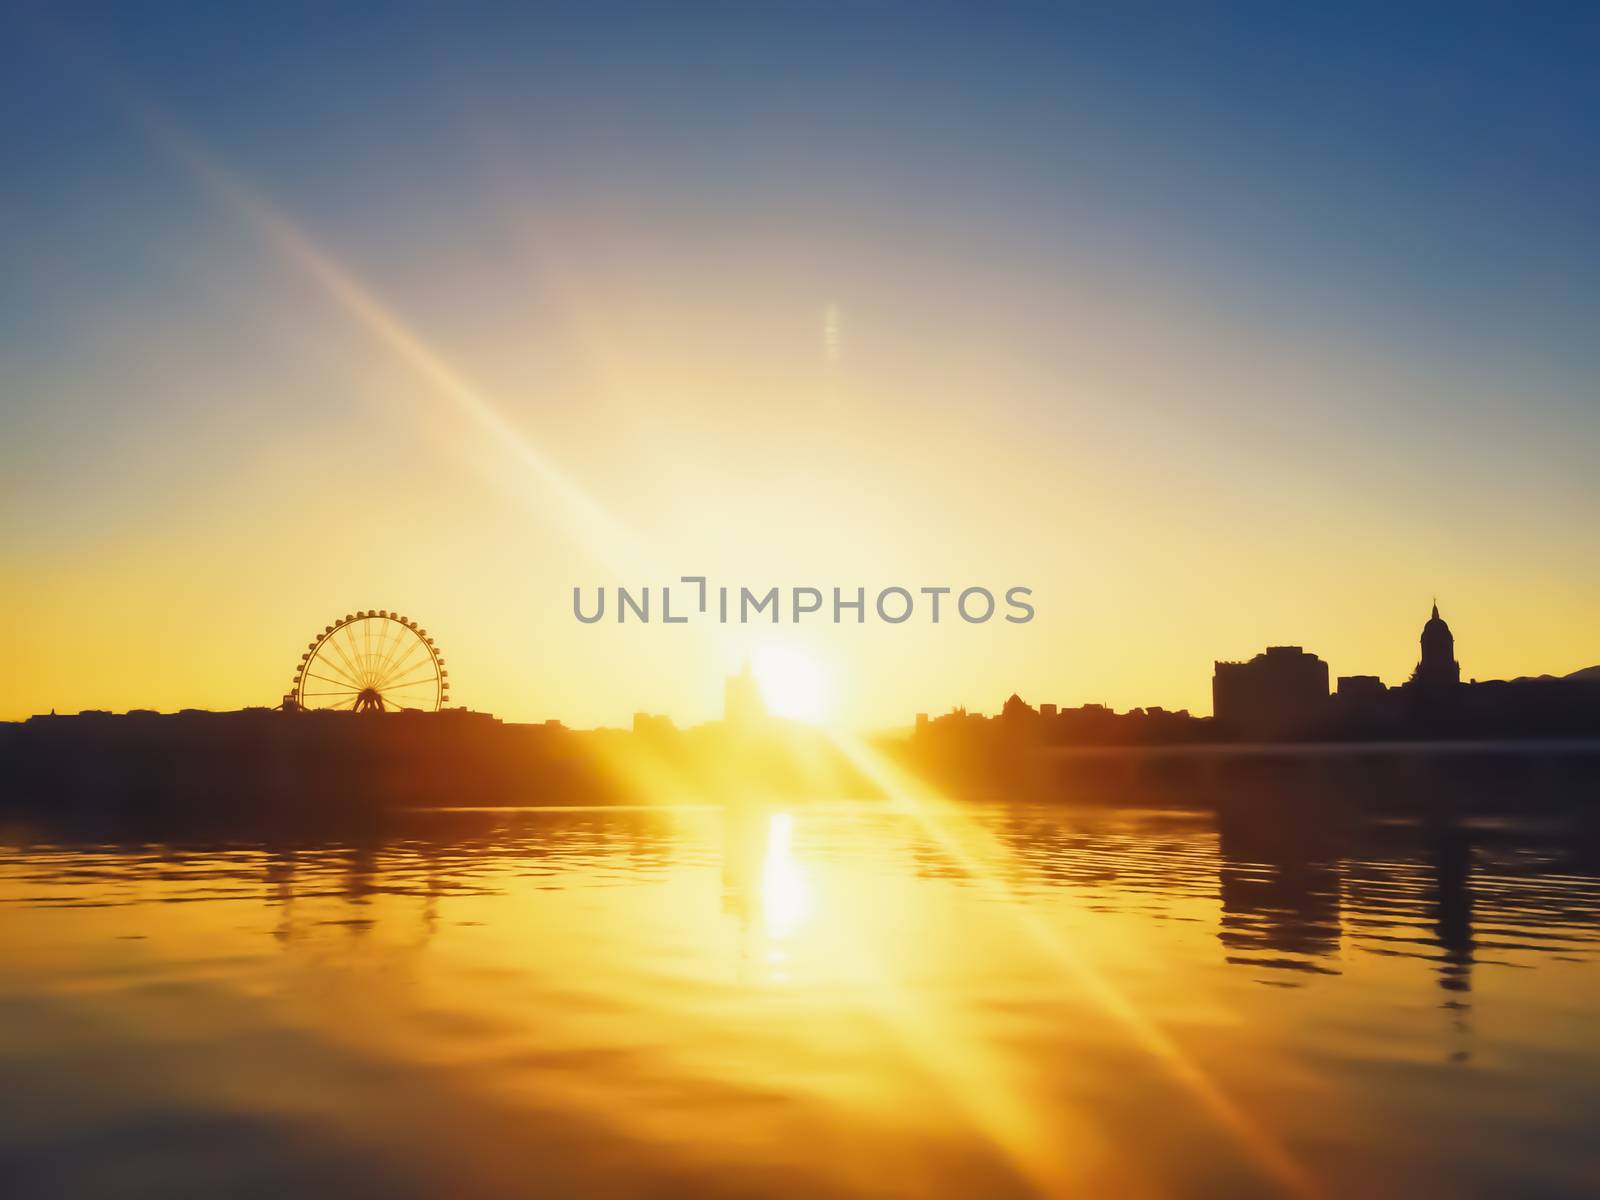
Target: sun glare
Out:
[785,896]
[792,683]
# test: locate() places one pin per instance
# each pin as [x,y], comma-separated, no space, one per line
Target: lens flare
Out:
[792,684]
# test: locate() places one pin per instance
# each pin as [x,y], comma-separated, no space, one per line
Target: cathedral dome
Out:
[1438,666]
[1436,624]
[1438,643]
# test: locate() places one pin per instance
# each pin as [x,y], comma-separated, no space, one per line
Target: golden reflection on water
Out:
[785,897]
[799,1001]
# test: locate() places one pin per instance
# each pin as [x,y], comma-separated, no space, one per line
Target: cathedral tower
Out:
[1438,670]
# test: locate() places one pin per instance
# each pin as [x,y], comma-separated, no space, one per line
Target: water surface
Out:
[822,1000]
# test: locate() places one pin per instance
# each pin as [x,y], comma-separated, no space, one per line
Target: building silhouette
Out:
[1361,690]
[1017,709]
[1280,693]
[741,699]
[653,725]
[1437,671]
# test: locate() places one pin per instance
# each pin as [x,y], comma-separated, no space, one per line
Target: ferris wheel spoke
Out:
[327,663]
[355,652]
[425,667]
[381,637]
[406,643]
[401,666]
[338,683]
[392,649]
[353,641]
[343,653]
[400,687]
[377,654]
[400,670]
[349,665]
[341,692]
[338,670]
[417,685]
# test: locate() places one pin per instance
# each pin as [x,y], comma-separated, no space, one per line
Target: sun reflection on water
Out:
[785,890]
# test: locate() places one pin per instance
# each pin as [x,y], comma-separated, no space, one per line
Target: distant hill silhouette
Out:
[1583,675]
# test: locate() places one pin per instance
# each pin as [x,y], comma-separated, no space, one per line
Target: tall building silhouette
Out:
[741,699]
[1437,670]
[1280,693]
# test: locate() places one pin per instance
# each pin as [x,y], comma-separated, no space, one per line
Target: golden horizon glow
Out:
[624,449]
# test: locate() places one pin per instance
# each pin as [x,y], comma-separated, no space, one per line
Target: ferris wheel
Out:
[371,662]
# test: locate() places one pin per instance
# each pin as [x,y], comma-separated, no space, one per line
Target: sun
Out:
[792,684]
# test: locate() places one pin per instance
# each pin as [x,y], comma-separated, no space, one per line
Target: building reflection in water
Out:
[1282,913]
[337,885]
[1284,894]
[1451,853]
[1281,888]
[1296,899]
[314,884]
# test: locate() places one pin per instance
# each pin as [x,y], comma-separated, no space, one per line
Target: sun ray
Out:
[985,861]
[577,515]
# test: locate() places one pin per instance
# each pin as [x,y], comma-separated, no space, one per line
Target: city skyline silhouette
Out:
[1283,693]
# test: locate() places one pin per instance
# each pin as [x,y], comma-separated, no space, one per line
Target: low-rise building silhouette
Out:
[1361,689]
[653,725]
